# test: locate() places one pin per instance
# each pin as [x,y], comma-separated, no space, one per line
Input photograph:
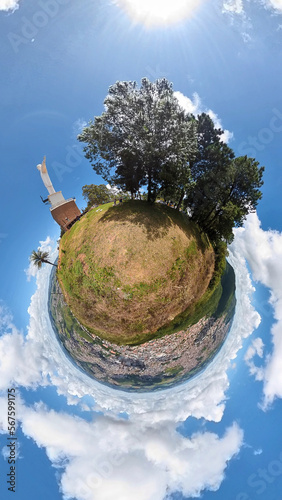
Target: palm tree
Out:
[38,258]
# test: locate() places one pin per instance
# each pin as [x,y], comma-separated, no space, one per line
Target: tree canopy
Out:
[144,138]
[224,189]
[96,195]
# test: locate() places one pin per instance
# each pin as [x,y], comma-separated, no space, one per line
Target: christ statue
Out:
[45,177]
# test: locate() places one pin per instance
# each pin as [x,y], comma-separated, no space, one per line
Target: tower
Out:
[64,212]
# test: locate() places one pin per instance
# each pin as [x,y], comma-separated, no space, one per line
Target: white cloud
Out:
[190,106]
[6,451]
[237,16]
[196,107]
[227,135]
[258,451]
[263,250]
[274,4]
[114,189]
[246,37]
[255,349]
[9,5]
[21,359]
[79,125]
[233,6]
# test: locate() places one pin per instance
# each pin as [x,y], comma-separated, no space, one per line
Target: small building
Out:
[64,212]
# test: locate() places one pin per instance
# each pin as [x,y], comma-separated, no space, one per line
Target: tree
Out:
[225,188]
[141,138]
[237,194]
[96,195]
[144,138]
[38,258]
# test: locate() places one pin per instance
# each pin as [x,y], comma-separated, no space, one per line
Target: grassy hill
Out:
[128,271]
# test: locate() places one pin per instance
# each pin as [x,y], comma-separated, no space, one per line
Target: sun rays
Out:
[158,12]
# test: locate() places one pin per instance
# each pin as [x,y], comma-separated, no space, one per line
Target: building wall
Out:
[56,198]
[65,213]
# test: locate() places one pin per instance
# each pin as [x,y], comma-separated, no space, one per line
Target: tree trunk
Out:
[154,195]
[180,199]
[149,187]
[217,212]
[47,262]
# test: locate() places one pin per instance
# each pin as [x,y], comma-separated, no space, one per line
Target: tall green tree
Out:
[141,137]
[236,194]
[39,257]
[224,189]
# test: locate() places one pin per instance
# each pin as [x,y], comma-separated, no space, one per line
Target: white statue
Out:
[45,177]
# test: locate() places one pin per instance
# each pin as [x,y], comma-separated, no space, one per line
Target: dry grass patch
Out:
[130,269]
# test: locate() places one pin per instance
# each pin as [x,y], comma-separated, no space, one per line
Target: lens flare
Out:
[158,12]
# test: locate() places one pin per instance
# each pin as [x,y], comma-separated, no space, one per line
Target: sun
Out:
[158,12]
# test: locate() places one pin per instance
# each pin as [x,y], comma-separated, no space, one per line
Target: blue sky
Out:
[218,436]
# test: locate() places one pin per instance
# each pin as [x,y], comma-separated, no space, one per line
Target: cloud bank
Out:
[263,250]
[118,459]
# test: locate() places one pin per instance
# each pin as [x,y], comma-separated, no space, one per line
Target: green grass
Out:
[71,325]
[191,249]
[142,289]
[174,370]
